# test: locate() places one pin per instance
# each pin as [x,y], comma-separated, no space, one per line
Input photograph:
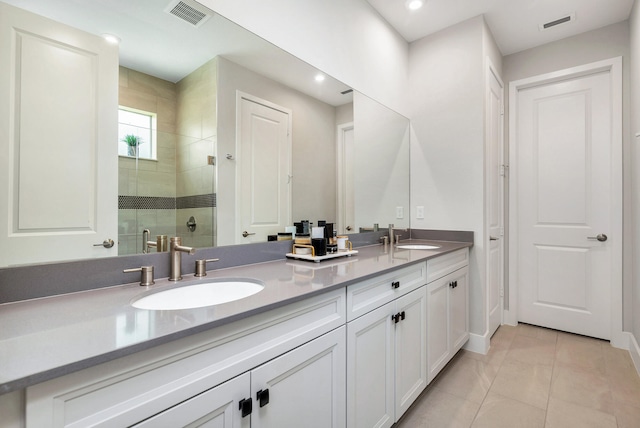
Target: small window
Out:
[137,134]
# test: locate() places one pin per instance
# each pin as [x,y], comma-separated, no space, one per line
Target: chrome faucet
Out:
[393,238]
[176,249]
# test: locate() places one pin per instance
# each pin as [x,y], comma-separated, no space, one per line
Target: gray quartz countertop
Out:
[44,338]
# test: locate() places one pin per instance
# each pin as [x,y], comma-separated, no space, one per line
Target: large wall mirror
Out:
[236,139]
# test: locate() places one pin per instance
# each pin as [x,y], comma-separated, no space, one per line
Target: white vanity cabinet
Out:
[386,346]
[296,352]
[447,308]
[304,387]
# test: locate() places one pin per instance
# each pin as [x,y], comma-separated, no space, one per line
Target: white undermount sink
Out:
[199,295]
[417,247]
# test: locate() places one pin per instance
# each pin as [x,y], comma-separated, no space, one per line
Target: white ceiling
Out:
[159,44]
[514,23]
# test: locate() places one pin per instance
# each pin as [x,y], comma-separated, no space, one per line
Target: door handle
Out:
[107,243]
[493,238]
[245,234]
[600,237]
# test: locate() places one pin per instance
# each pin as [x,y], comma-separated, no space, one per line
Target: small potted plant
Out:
[132,141]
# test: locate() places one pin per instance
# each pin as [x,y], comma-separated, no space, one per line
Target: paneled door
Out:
[58,153]
[496,172]
[568,199]
[264,176]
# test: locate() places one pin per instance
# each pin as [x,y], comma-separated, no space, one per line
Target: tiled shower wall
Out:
[161,195]
[147,188]
[196,124]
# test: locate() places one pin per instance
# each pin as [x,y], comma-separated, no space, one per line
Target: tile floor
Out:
[533,377]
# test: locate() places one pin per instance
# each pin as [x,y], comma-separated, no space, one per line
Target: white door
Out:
[568,199]
[264,181]
[346,158]
[495,198]
[370,369]
[410,349]
[304,387]
[58,153]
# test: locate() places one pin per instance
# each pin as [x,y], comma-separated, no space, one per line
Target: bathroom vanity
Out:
[350,342]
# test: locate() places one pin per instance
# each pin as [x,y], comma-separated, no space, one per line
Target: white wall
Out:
[632,299]
[446,77]
[346,39]
[607,42]
[381,143]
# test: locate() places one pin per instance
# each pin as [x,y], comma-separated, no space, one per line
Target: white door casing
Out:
[566,186]
[495,176]
[345,159]
[264,168]
[58,154]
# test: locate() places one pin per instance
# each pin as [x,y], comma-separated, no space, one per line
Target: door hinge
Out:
[501,109]
[211,160]
[501,292]
[502,231]
[504,170]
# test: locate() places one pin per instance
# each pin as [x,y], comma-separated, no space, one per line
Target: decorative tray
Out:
[318,259]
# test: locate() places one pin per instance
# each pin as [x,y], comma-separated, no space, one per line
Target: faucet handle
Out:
[146,274]
[201,266]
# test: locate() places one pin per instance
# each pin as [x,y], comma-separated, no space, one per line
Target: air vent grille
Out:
[556,22]
[188,12]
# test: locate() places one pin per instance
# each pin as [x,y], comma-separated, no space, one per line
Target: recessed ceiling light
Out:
[319,77]
[114,40]
[414,4]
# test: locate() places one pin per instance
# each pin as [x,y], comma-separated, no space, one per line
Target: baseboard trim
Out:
[634,351]
[478,343]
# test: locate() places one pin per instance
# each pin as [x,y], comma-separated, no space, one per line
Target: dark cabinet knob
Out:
[246,406]
[395,284]
[262,397]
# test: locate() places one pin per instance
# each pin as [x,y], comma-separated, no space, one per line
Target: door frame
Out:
[492,71]
[613,66]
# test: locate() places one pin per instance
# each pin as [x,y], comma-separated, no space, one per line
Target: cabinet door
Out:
[437,326]
[304,387]
[410,349]
[370,369]
[215,408]
[458,304]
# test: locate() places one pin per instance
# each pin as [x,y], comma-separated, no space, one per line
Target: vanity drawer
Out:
[370,294]
[445,264]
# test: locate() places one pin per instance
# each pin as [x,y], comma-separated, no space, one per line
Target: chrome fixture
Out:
[107,243]
[191,224]
[600,237]
[393,237]
[201,266]
[146,274]
[176,249]
[145,240]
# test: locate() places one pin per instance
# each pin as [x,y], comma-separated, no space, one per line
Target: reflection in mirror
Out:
[324,153]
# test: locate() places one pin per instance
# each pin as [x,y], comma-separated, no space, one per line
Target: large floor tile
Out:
[580,351]
[503,337]
[625,387]
[498,411]
[562,414]
[524,382]
[627,416]
[587,388]
[532,351]
[466,378]
[537,332]
[438,409]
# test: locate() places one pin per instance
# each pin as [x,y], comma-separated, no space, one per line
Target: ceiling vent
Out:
[189,11]
[565,19]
